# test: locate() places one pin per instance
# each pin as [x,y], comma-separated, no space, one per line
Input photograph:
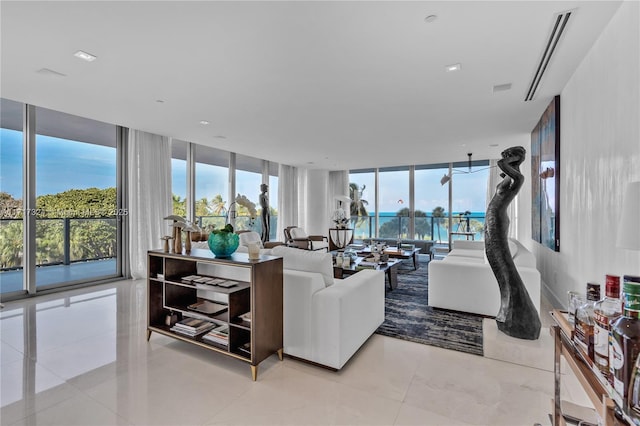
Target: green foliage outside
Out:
[398,226]
[89,213]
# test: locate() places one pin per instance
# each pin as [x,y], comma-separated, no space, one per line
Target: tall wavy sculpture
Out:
[517,316]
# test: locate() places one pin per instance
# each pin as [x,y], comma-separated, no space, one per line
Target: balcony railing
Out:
[426,227]
[59,241]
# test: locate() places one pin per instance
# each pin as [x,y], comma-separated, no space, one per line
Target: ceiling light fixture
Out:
[204,122]
[452,67]
[430,18]
[85,56]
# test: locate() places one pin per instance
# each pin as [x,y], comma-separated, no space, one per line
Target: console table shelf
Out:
[257,290]
[593,383]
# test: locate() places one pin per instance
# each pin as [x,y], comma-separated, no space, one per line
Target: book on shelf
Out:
[218,335]
[227,283]
[189,278]
[192,326]
[245,348]
[246,317]
[207,307]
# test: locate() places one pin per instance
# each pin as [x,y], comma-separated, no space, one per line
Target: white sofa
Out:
[464,281]
[326,320]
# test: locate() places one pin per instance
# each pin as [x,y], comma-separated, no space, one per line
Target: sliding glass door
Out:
[60,214]
[11,205]
[76,206]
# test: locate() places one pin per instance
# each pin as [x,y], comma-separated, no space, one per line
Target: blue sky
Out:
[468,190]
[61,165]
[64,165]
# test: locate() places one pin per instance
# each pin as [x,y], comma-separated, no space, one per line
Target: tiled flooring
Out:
[82,358]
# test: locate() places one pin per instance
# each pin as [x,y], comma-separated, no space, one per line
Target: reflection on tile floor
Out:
[81,357]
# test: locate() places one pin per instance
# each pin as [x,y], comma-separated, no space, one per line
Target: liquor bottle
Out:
[584,322]
[625,340]
[605,312]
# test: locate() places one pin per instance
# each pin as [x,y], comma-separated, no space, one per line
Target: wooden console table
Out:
[593,383]
[253,301]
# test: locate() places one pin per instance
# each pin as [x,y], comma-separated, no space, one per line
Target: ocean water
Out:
[392,226]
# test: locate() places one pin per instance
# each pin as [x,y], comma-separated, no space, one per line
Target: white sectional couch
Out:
[326,320]
[463,280]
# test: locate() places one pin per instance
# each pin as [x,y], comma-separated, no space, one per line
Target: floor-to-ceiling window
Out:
[393,202]
[248,181]
[469,199]
[273,201]
[179,177]
[61,214]
[11,206]
[385,196]
[362,191]
[76,205]
[211,186]
[431,203]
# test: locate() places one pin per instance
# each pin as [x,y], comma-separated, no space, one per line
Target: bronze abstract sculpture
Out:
[517,316]
[264,205]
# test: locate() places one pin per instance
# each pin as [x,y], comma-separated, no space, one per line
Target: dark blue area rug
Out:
[408,316]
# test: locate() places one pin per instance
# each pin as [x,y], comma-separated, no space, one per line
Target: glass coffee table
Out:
[390,269]
[393,252]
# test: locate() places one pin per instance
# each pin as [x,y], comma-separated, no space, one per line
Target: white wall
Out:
[600,154]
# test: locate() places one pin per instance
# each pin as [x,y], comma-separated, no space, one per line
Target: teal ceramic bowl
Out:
[223,244]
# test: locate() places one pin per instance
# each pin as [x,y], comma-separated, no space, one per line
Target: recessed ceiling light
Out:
[204,122]
[219,137]
[159,101]
[452,67]
[430,18]
[493,145]
[86,56]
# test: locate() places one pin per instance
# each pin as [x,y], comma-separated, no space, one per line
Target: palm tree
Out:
[358,205]
[438,214]
[218,204]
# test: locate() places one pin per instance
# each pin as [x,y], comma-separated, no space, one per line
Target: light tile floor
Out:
[81,358]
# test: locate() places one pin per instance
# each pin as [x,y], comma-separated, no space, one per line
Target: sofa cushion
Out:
[249,237]
[305,260]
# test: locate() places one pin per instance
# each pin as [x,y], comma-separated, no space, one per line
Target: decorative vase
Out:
[223,244]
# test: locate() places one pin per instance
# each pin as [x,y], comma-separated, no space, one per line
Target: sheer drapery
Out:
[338,187]
[287,198]
[149,195]
[492,182]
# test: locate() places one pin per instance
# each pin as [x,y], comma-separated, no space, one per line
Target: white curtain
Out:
[492,182]
[149,195]
[287,199]
[313,201]
[338,186]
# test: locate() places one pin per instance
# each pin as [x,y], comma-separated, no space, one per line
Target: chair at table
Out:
[247,237]
[297,237]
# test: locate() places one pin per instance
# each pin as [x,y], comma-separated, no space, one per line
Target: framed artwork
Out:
[545,177]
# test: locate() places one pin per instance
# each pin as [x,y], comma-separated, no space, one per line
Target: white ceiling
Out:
[333,85]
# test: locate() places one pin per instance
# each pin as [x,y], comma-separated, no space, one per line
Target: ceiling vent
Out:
[559,27]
